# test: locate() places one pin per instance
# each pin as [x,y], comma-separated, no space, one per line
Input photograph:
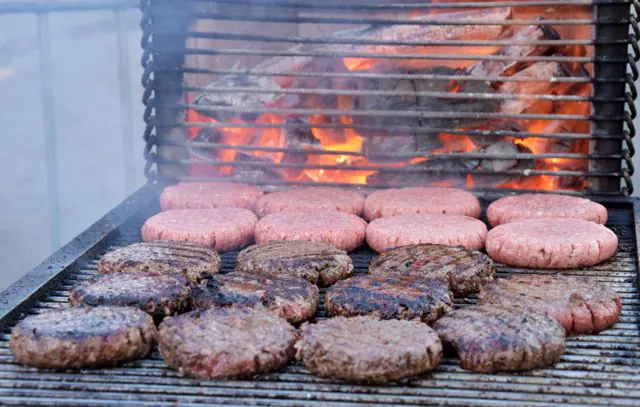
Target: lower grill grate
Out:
[599,369]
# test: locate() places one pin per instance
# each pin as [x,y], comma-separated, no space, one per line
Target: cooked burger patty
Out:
[551,243]
[209,195]
[528,206]
[194,261]
[580,304]
[157,294]
[317,262]
[365,349]
[495,339]
[411,200]
[314,198]
[343,230]
[226,342]
[221,229]
[83,337]
[288,297]
[467,271]
[452,230]
[390,297]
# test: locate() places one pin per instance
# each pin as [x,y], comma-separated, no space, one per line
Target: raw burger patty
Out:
[222,229]
[528,206]
[496,339]
[209,195]
[452,230]
[157,294]
[194,261]
[467,271]
[83,337]
[580,304]
[551,243]
[226,342]
[391,202]
[366,349]
[345,231]
[318,262]
[390,297]
[289,297]
[313,199]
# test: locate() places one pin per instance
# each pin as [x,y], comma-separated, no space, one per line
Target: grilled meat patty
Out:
[194,261]
[495,339]
[467,271]
[226,342]
[83,337]
[580,304]
[366,349]
[317,262]
[288,297]
[157,294]
[553,243]
[390,297]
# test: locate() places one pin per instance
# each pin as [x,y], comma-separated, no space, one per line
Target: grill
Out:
[595,369]
[393,93]
[373,94]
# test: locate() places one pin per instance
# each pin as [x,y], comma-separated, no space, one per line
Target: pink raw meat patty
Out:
[403,230]
[391,202]
[222,229]
[209,195]
[529,206]
[317,198]
[343,230]
[553,243]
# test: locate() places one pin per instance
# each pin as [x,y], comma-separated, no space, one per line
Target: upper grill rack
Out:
[187,47]
[595,369]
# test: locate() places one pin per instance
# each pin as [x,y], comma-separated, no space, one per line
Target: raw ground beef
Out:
[315,198]
[209,195]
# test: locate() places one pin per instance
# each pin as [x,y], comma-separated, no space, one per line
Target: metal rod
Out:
[50,142]
[40,6]
[126,107]
[608,115]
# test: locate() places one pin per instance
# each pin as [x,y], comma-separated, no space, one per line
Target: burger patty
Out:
[209,195]
[194,261]
[366,349]
[83,337]
[528,206]
[580,304]
[402,230]
[551,243]
[467,271]
[157,294]
[495,339]
[313,198]
[226,342]
[317,262]
[288,297]
[390,297]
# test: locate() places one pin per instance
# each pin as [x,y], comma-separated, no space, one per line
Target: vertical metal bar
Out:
[126,108]
[607,114]
[50,150]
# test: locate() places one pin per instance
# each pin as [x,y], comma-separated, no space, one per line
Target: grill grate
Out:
[595,369]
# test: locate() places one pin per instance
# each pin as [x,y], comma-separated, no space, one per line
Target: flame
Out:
[350,140]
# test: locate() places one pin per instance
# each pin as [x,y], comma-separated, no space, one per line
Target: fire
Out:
[350,159]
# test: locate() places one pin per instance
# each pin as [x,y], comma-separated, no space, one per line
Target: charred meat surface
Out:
[288,297]
[390,297]
[194,261]
[365,349]
[226,342]
[83,337]
[467,271]
[580,304]
[317,262]
[495,339]
[158,294]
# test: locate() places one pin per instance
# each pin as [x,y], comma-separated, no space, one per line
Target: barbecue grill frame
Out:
[165,26]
